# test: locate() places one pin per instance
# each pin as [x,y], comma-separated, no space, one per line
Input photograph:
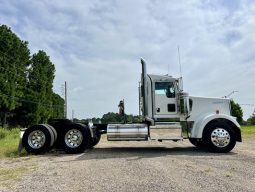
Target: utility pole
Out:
[65,100]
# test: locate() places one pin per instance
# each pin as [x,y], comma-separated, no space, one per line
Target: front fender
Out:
[199,125]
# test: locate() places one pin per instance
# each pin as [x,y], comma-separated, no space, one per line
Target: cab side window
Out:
[165,88]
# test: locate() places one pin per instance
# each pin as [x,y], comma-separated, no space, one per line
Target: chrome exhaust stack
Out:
[144,89]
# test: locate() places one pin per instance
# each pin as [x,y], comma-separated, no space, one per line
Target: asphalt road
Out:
[137,166]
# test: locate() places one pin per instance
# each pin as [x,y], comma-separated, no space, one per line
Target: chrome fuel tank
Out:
[127,132]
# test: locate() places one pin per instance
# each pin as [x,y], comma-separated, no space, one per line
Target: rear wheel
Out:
[52,135]
[76,138]
[219,137]
[54,132]
[37,139]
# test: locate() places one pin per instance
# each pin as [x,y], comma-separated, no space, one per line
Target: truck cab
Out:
[174,115]
[162,93]
[160,96]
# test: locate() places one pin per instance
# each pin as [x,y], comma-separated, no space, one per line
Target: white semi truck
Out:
[168,113]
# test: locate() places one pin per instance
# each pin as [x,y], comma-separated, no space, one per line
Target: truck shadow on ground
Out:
[135,153]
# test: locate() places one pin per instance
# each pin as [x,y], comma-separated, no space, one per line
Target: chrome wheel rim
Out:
[220,137]
[73,138]
[36,139]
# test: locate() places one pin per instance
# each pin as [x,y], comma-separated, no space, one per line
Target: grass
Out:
[8,175]
[248,131]
[9,141]
[228,174]
[11,173]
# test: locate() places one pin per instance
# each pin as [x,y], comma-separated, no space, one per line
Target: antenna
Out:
[72,114]
[229,94]
[180,61]
[168,69]
[180,79]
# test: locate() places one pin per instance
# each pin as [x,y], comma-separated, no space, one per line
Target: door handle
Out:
[158,109]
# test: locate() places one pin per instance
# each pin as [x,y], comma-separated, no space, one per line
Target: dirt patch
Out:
[12,171]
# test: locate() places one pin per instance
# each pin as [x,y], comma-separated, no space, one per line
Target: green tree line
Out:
[251,119]
[112,117]
[26,83]
[237,112]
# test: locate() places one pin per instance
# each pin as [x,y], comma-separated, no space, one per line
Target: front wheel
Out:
[219,137]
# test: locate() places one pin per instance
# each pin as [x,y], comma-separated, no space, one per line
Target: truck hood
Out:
[205,105]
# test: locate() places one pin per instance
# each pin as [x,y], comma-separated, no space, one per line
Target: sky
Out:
[96,47]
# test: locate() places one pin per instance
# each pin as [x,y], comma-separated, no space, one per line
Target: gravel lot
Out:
[134,166]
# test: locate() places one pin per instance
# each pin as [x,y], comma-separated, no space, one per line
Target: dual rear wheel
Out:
[39,138]
[74,138]
[78,138]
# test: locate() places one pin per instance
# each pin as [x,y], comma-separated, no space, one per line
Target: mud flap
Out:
[20,147]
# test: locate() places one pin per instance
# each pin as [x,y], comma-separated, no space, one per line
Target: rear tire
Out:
[219,137]
[52,135]
[37,139]
[76,138]
[54,132]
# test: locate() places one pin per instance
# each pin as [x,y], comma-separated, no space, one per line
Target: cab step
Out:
[168,139]
[166,131]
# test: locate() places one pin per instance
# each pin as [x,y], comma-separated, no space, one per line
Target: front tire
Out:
[219,137]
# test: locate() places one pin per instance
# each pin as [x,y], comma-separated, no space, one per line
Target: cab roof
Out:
[161,78]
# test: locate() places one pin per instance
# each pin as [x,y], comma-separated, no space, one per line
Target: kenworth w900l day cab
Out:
[168,114]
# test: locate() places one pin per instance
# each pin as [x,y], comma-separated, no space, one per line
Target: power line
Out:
[12,72]
[23,71]
[16,68]
[248,104]
[8,55]
[12,59]
[34,102]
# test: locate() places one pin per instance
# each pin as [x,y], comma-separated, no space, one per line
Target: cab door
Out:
[165,99]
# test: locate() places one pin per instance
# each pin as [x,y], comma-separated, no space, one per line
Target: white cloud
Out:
[96,46]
